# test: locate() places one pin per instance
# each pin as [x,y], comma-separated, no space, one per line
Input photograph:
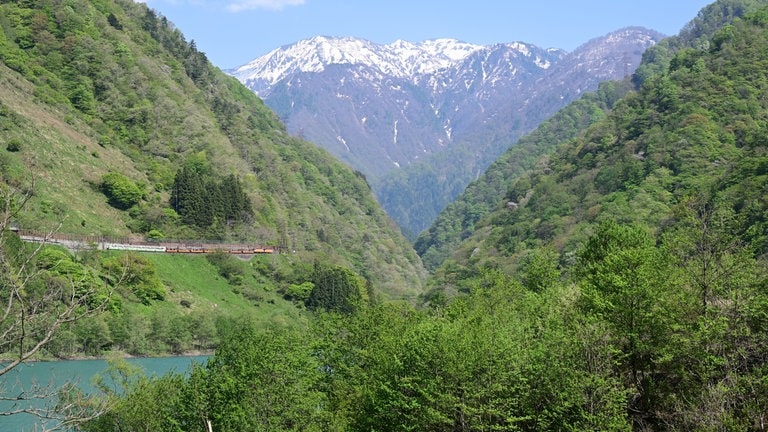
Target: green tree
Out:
[201,199]
[628,283]
[336,289]
[540,269]
[121,191]
[714,260]
[235,205]
[299,292]
[719,351]
[138,403]
[265,379]
[138,274]
[500,358]
[187,197]
[93,336]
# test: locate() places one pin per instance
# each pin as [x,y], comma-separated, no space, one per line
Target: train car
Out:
[134,248]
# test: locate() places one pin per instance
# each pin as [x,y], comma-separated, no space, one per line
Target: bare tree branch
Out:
[35,306]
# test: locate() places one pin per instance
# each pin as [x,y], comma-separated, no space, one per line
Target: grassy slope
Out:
[62,161]
[194,279]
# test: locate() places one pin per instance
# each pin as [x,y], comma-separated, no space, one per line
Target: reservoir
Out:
[80,371]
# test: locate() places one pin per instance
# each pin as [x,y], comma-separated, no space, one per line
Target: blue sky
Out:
[233,32]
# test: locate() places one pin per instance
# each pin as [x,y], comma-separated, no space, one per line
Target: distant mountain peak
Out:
[398,59]
[629,34]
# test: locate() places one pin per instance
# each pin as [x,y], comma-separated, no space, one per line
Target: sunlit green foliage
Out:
[617,283]
[620,344]
[121,191]
[61,268]
[137,274]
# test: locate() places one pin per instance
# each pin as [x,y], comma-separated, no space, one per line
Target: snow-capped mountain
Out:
[399,59]
[382,108]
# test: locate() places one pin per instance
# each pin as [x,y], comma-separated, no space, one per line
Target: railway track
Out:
[77,243]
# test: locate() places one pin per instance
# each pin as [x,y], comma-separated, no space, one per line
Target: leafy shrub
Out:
[155,234]
[14,145]
[299,292]
[50,257]
[136,273]
[61,270]
[121,191]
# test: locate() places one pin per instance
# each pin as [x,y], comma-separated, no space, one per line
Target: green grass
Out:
[193,278]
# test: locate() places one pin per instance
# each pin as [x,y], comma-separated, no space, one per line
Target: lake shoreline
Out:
[110,356]
[91,376]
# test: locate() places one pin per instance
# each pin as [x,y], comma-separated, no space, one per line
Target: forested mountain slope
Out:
[691,137]
[102,103]
[696,34]
[458,220]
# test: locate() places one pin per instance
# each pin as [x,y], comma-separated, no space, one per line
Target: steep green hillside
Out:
[689,143]
[103,102]
[696,34]
[459,219]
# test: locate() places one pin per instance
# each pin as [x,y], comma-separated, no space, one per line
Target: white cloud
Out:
[243,5]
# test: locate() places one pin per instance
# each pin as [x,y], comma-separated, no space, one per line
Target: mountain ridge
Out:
[379,116]
[400,58]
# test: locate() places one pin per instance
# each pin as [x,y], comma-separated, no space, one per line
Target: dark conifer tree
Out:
[336,289]
[187,197]
[200,200]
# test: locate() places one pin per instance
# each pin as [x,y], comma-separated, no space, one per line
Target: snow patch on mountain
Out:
[399,59]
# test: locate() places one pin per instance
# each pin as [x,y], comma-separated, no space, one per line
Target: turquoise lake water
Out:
[79,371]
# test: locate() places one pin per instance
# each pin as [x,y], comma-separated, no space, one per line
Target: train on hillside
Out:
[79,242]
[185,249]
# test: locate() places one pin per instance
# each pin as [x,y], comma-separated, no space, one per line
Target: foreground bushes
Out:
[621,341]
